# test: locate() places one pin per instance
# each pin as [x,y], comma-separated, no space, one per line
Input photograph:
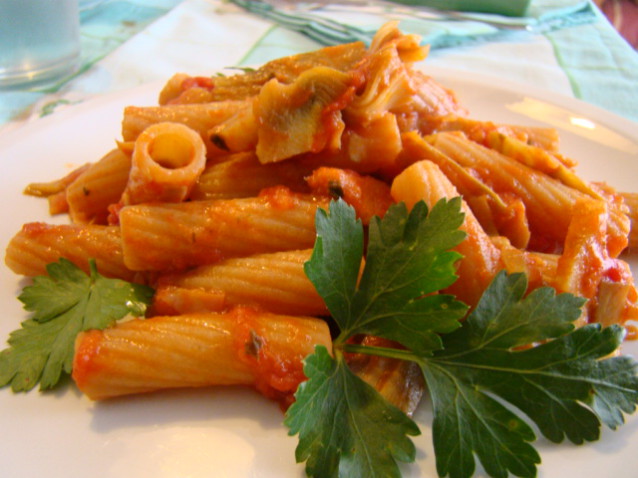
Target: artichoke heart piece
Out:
[393,86]
[305,116]
[388,86]
[181,87]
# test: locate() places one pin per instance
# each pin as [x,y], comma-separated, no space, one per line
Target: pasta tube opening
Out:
[171,150]
[168,158]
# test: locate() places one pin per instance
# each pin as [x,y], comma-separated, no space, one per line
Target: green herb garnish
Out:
[565,386]
[64,303]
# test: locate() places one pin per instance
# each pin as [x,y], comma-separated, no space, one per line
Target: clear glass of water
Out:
[39,41]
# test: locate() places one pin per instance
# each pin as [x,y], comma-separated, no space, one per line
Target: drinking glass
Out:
[39,41]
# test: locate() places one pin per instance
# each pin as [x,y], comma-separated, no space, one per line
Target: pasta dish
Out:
[211,198]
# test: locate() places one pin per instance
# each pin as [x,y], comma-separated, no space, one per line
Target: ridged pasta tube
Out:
[240,347]
[168,158]
[163,236]
[479,131]
[631,201]
[38,244]
[238,133]
[101,185]
[497,215]
[275,282]
[242,175]
[544,197]
[585,266]
[199,117]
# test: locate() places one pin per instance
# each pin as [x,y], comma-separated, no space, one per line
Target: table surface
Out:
[127,43]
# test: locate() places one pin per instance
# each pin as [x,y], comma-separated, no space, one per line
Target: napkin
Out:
[334,23]
[601,66]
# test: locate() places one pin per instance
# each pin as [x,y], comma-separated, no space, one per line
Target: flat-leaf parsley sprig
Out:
[345,427]
[567,386]
[408,259]
[64,303]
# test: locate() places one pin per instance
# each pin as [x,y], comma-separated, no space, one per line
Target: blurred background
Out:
[623,15]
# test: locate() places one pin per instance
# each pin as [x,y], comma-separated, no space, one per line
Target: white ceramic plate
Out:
[235,432]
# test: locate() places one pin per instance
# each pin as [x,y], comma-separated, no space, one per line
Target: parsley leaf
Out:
[562,385]
[516,361]
[345,426]
[408,258]
[64,303]
[336,258]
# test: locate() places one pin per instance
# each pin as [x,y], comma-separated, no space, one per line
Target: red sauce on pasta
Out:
[198,82]
[84,365]
[277,369]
